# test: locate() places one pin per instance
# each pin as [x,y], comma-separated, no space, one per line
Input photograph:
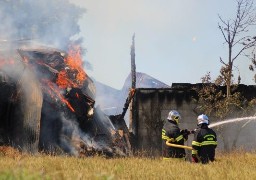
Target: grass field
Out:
[235,165]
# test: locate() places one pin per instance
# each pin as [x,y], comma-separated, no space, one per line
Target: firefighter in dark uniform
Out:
[171,131]
[205,141]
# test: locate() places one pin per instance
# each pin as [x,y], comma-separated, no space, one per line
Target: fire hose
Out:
[168,143]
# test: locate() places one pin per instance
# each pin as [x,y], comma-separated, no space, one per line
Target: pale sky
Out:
[177,41]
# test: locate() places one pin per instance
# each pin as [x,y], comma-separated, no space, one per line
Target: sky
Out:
[176,41]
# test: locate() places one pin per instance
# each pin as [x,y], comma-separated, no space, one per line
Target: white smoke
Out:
[52,22]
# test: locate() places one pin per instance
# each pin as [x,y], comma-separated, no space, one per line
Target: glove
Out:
[185,133]
[188,131]
[192,132]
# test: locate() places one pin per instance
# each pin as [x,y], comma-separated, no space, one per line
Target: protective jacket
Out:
[172,131]
[204,144]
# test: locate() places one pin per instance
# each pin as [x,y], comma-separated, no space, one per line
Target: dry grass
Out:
[236,165]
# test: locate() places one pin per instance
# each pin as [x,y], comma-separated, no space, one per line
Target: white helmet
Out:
[174,116]
[202,119]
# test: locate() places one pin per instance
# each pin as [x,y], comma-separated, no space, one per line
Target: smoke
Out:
[236,133]
[71,136]
[52,22]
[60,130]
[31,24]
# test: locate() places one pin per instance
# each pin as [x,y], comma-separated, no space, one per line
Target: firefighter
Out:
[171,131]
[205,141]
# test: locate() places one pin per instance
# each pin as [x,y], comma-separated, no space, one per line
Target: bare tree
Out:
[214,99]
[236,35]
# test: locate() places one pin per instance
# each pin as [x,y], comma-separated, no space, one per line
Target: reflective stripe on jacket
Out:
[204,143]
[171,131]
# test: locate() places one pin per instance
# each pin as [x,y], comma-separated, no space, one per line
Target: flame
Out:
[57,93]
[73,75]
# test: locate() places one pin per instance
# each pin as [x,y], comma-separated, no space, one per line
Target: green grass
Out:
[234,165]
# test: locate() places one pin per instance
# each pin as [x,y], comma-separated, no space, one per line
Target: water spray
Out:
[232,120]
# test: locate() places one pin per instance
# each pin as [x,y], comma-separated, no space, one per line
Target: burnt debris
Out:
[47,104]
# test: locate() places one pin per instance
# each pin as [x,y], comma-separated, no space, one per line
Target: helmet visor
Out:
[176,118]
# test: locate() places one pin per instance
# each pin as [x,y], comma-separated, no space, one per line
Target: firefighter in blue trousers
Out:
[171,131]
[205,141]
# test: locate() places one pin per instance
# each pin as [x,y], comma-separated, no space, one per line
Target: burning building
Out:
[47,103]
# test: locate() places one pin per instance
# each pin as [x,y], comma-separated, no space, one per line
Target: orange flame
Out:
[73,75]
[56,91]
